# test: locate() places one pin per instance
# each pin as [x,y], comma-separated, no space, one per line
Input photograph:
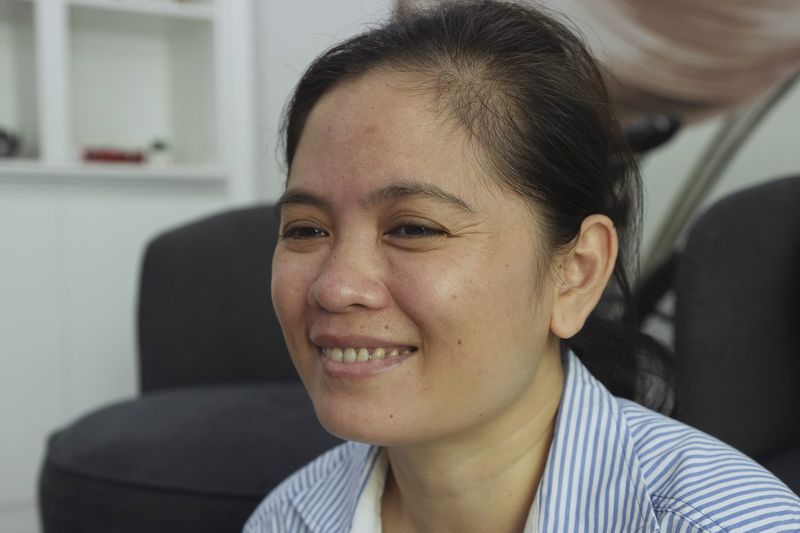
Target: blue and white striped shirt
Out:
[614,466]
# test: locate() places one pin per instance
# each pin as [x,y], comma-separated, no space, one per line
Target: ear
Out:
[583,274]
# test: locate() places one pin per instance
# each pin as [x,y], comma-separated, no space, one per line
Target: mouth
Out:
[352,355]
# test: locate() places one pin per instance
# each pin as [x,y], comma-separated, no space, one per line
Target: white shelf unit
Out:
[22,171]
[123,74]
[19,111]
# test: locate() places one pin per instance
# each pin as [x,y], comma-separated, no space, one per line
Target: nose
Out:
[351,278]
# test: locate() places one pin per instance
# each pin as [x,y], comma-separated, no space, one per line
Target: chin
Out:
[353,422]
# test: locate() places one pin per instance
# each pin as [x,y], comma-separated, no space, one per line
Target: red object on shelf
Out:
[113,155]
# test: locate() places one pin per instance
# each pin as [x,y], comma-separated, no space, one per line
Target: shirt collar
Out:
[592,480]
[330,503]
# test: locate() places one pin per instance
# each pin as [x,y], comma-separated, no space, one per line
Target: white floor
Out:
[19,518]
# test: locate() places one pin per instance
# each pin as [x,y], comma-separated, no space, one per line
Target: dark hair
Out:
[533,101]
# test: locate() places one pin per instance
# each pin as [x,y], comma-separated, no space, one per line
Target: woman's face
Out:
[396,248]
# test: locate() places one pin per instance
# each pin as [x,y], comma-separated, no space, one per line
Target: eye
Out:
[416,231]
[303,232]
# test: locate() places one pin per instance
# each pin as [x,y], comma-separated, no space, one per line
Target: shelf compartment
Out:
[190,10]
[137,76]
[18,86]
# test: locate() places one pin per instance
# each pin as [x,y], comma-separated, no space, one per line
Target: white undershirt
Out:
[367,518]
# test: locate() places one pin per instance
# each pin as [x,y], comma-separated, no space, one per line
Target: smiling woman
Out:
[458,202]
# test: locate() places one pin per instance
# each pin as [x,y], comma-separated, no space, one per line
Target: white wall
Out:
[290,35]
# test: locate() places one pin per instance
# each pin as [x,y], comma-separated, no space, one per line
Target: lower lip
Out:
[362,370]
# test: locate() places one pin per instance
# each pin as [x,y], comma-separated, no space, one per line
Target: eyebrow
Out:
[395,191]
[408,188]
[301,197]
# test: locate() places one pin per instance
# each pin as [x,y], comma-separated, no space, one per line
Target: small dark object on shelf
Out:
[9,143]
[159,145]
[159,153]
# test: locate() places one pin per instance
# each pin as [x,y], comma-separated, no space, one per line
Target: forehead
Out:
[379,128]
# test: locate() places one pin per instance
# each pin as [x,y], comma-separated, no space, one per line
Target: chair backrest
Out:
[205,312]
[737,319]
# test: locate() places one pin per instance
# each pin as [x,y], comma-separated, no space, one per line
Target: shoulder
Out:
[282,510]
[698,483]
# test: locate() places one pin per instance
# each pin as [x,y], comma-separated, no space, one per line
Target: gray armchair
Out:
[737,324]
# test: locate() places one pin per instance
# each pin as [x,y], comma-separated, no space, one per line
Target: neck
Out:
[485,480]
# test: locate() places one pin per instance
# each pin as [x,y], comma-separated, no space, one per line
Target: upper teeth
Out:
[353,355]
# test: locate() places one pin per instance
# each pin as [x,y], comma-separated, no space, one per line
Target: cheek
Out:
[472,308]
[474,297]
[476,320]
[292,277]
[430,287]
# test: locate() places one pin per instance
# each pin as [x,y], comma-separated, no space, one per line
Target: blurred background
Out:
[122,118]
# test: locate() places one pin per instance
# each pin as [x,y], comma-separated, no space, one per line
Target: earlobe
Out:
[584,274]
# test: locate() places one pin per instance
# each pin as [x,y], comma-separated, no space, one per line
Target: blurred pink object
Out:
[687,57]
